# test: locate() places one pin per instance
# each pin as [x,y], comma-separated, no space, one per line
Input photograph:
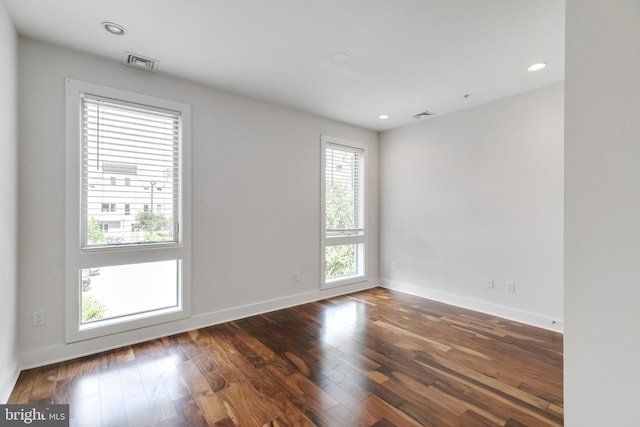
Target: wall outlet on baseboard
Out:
[490,283]
[511,287]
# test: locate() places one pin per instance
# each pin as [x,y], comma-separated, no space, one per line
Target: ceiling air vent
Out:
[423,115]
[141,62]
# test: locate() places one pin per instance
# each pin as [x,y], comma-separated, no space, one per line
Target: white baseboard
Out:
[8,381]
[62,352]
[521,316]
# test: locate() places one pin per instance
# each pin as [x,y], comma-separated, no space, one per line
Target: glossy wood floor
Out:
[374,358]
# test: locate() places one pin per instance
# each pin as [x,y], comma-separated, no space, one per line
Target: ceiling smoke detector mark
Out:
[423,115]
[141,62]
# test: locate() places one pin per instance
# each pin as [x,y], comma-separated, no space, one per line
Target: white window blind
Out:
[128,152]
[344,187]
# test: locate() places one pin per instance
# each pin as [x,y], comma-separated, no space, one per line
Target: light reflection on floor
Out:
[343,323]
[343,332]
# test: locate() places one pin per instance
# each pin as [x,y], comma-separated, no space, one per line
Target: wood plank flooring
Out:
[373,358]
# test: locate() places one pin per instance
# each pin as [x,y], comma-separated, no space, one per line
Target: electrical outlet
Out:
[490,283]
[511,287]
[38,318]
[296,276]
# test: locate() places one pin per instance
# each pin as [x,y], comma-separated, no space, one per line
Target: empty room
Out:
[336,213]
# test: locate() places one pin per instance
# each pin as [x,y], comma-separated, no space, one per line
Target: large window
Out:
[343,211]
[127,263]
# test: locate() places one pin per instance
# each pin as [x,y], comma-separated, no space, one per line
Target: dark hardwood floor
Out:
[373,358]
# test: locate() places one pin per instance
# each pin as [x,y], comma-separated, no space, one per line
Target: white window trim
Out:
[346,239]
[76,259]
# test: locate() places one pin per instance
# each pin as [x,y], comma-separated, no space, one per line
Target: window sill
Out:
[343,281]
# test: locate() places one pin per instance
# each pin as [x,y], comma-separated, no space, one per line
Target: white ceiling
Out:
[405,56]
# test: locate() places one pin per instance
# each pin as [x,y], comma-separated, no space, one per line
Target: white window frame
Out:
[77,258]
[360,239]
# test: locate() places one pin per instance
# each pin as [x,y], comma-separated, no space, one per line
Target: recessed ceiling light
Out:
[383,116]
[114,28]
[537,67]
[340,56]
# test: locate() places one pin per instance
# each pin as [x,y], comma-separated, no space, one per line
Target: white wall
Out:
[8,211]
[475,195]
[602,213]
[256,199]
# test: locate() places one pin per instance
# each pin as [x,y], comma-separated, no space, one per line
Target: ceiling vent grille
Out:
[140,62]
[423,115]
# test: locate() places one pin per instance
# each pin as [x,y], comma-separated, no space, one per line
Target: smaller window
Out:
[158,208]
[343,212]
[104,228]
[127,209]
[145,208]
[146,188]
[127,181]
[108,207]
[113,180]
[159,188]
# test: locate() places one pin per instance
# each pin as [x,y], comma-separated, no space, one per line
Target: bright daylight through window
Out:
[344,229]
[132,251]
